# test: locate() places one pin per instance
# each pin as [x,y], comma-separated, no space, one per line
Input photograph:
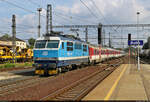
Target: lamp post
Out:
[138,40]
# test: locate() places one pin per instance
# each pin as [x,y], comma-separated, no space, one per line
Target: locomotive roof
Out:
[60,38]
[68,38]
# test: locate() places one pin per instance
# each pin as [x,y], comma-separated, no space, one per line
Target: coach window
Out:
[69,46]
[62,45]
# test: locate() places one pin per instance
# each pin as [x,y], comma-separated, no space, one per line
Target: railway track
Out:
[25,83]
[79,89]
[15,84]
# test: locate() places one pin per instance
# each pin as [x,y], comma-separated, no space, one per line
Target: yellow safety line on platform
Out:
[115,84]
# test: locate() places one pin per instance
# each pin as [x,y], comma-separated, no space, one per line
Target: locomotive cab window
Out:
[52,44]
[69,46]
[40,44]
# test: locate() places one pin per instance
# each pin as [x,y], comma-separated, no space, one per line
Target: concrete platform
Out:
[125,83]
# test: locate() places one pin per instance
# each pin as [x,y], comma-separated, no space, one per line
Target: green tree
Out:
[145,46]
[31,42]
[6,36]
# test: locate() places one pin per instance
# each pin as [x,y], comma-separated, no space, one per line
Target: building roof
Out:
[4,38]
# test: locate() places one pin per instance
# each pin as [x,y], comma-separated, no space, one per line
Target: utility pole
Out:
[138,40]
[109,40]
[14,37]
[51,29]
[121,37]
[86,34]
[103,37]
[148,40]
[100,34]
[49,19]
[39,26]
[129,39]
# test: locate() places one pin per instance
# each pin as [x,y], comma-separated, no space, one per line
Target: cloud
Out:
[119,11]
[64,9]
[108,12]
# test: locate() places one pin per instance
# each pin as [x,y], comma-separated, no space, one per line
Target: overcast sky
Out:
[76,12]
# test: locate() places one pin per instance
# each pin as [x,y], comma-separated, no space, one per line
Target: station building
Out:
[7,41]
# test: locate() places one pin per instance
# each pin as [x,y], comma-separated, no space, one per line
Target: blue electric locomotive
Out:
[53,54]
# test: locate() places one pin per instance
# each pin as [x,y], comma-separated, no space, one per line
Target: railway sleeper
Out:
[66,96]
[60,98]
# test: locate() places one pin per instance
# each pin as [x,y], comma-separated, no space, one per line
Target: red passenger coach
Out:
[98,54]
[94,53]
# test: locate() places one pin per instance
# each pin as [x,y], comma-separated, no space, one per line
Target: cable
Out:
[63,17]
[21,7]
[18,6]
[89,10]
[99,11]
[34,3]
[102,15]
[75,17]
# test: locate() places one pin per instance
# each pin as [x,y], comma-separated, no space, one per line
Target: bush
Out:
[1,67]
[27,64]
[9,65]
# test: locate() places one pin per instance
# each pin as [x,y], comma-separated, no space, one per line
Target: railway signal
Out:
[99,34]
[129,37]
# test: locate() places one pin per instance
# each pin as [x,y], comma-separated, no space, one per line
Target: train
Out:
[57,53]
[21,55]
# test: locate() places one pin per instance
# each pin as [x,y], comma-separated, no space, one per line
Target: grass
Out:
[12,65]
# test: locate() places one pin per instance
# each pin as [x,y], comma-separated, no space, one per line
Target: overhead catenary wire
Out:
[27,10]
[75,18]
[18,6]
[99,11]
[89,10]
[34,3]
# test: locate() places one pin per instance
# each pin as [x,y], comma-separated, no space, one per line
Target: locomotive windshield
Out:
[40,44]
[53,44]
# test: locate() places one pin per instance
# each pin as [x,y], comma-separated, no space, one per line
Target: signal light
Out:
[129,37]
